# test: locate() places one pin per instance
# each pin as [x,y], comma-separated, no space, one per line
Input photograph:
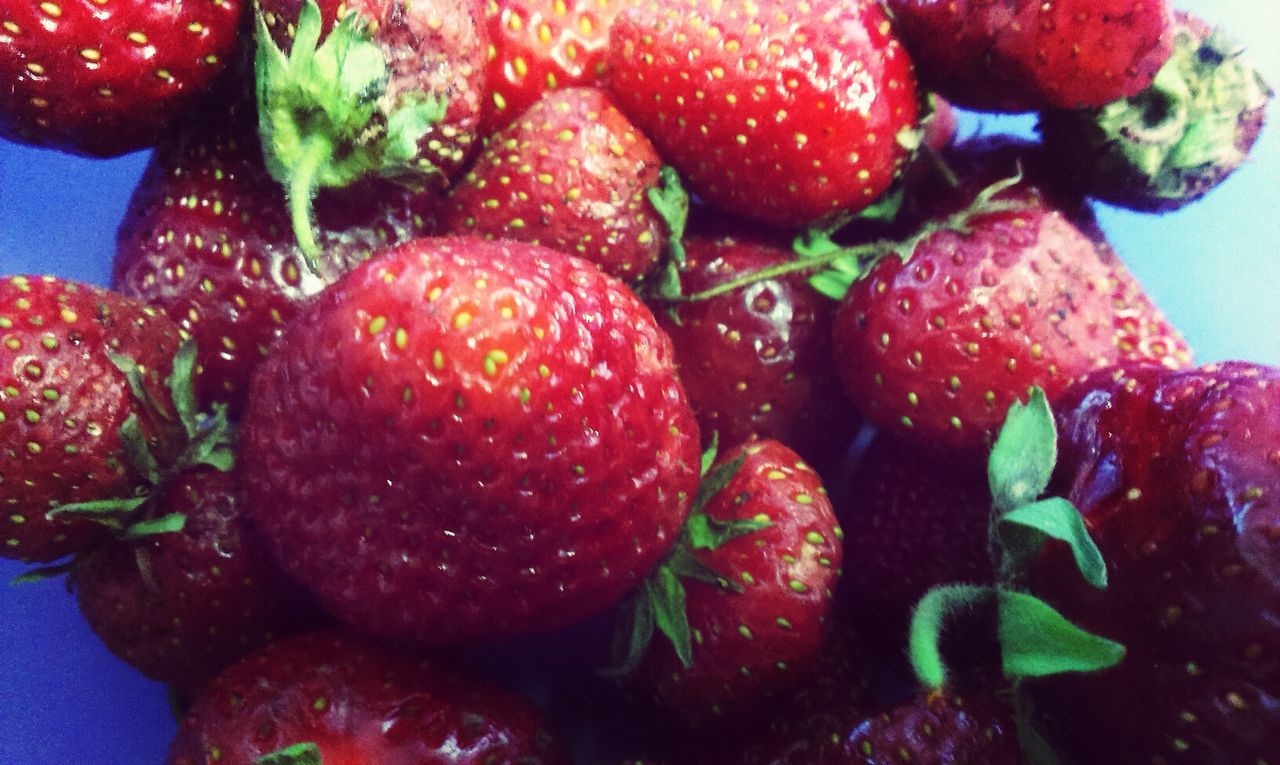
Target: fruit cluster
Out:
[670,361]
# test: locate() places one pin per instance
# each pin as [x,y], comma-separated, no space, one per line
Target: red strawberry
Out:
[341,701]
[764,636]
[180,606]
[571,174]
[207,239]
[778,111]
[936,347]
[756,362]
[538,46]
[104,81]
[1027,55]
[934,729]
[466,439]
[64,403]
[1176,474]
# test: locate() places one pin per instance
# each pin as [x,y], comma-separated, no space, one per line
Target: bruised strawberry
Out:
[572,174]
[334,699]
[935,729]
[68,417]
[465,440]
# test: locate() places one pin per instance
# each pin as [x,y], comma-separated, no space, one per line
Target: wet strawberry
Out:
[935,729]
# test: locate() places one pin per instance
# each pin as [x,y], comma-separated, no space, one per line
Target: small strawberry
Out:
[538,46]
[465,440]
[773,110]
[1027,55]
[333,699]
[934,729]
[1175,141]
[572,174]
[105,81]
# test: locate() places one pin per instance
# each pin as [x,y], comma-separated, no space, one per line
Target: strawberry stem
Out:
[317,149]
[935,609]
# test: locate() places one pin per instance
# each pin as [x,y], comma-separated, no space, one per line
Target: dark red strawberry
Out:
[464,440]
[64,403]
[342,701]
[1176,474]
[934,729]
[777,111]
[935,344]
[103,81]
[756,362]
[572,174]
[1175,141]
[1027,55]
[538,46]
[180,606]
[207,238]
[763,635]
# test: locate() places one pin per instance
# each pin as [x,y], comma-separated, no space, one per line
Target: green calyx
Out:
[671,202]
[325,118]
[298,754]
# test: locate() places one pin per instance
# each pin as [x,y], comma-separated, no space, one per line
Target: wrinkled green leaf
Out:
[1037,641]
[1024,454]
[1024,530]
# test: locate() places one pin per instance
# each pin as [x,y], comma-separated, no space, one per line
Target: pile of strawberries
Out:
[668,353]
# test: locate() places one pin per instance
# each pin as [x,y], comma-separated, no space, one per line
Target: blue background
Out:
[1214,268]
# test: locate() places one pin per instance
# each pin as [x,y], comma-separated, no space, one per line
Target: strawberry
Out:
[465,440]
[103,82]
[1176,475]
[777,111]
[180,606]
[1175,141]
[934,729]
[538,46]
[331,698]
[207,238]
[756,362]
[573,174]
[1027,55]
[935,344]
[69,421]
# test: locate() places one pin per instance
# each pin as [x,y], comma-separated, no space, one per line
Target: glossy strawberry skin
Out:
[181,606]
[359,703]
[105,80]
[62,403]
[539,46]
[1029,56]
[753,645]
[207,238]
[934,728]
[936,348]
[787,113]
[1176,475]
[505,445]
[571,173]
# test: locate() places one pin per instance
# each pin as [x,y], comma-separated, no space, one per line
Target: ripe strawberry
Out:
[756,362]
[763,637]
[105,81]
[1175,141]
[207,239]
[936,347]
[538,46]
[935,729]
[1026,55]
[777,111]
[181,606]
[571,174]
[1176,474]
[343,701]
[68,418]
[464,440]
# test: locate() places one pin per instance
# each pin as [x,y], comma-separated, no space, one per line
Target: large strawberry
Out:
[1176,474]
[207,238]
[333,699]
[103,81]
[778,111]
[1026,55]
[466,439]
[573,174]
[71,424]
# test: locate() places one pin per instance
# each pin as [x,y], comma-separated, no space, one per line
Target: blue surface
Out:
[1214,268]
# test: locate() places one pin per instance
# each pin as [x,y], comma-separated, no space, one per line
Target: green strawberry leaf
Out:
[137,386]
[166,524]
[137,451]
[298,754]
[709,455]
[99,507]
[1037,641]
[1023,532]
[213,444]
[666,592]
[716,480]
[1035,749]
[43,573]
[1024,454]
[181,385]
[936,608]
[631,639]
[707,533]
[671,202]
